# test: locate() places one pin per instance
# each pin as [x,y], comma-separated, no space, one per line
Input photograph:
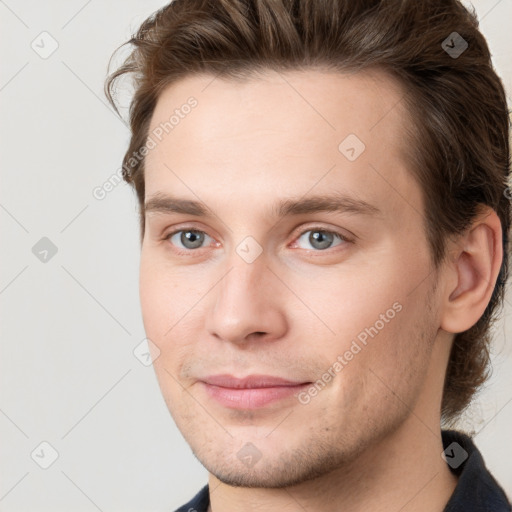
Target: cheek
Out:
[361,301]
[171,313]
[374,284]
[161,311]
[377,313]
[153,299]
[165,295]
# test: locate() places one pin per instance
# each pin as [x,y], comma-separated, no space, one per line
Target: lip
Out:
[251,392]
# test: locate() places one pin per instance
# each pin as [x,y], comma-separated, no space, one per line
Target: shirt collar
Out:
[476,489]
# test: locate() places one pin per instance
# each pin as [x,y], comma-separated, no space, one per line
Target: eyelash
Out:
[189,252]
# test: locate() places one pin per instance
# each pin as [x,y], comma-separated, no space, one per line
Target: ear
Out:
[471,273]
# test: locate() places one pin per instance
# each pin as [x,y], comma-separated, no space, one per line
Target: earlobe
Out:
[477,260]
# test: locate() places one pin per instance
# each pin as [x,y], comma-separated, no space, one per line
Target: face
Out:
[285,275]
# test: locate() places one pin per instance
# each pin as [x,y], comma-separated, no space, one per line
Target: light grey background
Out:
[69,325]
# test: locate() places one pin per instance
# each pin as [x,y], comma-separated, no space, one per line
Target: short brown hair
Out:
[459,150]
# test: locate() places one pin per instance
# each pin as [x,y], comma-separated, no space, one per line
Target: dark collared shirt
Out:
[476,490]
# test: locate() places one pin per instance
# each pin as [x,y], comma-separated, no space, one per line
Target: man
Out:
[324,231]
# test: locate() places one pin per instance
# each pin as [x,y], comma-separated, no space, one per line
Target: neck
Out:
[404,471]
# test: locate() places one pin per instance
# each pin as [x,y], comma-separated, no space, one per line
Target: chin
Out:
[285,470]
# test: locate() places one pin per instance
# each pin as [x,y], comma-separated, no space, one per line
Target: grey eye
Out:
[320,239]
[189,239]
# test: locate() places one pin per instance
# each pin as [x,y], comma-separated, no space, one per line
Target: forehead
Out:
[280,131]
[322,100]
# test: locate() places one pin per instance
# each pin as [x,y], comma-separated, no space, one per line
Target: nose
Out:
[247,304]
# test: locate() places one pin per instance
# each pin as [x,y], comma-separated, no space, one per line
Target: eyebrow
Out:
[337,202]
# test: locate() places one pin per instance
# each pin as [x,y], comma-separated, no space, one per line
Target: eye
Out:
[189,238]
[321,239]
[186,240]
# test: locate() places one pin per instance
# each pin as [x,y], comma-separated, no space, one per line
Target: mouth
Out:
[251,392]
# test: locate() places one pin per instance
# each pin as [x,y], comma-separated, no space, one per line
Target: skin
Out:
[370,439]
